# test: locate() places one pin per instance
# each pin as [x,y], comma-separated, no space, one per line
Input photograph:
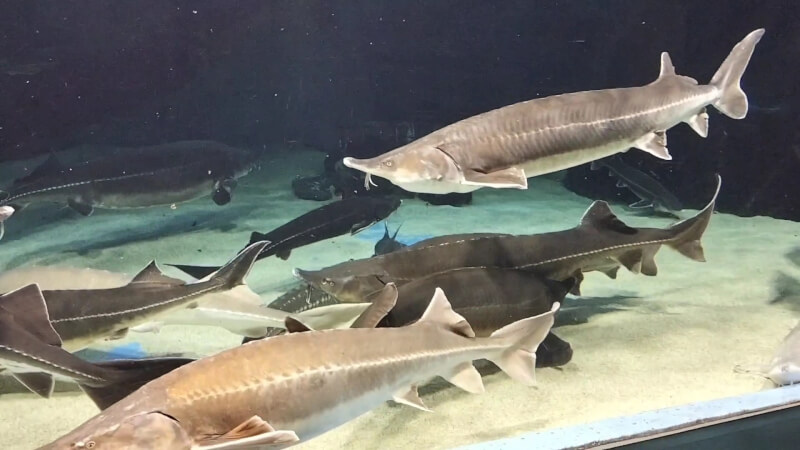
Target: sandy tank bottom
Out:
[640,343]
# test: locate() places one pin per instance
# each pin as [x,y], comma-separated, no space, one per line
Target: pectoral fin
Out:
[252,433]
[513,177]
[378,309]
[654,143]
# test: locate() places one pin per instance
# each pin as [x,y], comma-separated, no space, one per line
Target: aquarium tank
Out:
[395,224]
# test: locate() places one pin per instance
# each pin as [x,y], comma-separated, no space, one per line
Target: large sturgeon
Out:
[135,177]
[601,242]
[294,387]
[504,147]
[83,316]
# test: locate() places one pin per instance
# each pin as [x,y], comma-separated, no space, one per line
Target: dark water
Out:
[321,72]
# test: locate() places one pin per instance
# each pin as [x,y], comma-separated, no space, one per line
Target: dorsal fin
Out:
[152,274]
[28,308]
[600,216]
[440,311]
[50,167]
[666,66]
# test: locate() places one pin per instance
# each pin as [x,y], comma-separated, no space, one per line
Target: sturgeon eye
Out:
[90,444]
[327,282]
[388,163]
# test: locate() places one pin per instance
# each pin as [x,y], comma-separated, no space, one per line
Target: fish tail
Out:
[234,272]
[733,101]
[255,236]
[126,376]
[518,360]
[689,232]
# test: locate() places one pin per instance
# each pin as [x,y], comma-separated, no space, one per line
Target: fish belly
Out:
[554,163]
[370,395]
[437,187]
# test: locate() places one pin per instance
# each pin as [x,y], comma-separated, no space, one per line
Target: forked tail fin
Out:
[127,375]
[234,272]
[733,101]
[689,232]
[524,337]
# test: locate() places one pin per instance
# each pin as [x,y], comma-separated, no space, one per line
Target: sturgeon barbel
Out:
[504,147]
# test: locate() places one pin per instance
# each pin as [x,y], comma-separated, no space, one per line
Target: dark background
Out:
[254,73]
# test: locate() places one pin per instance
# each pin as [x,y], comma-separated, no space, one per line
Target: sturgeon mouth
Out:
[351,163]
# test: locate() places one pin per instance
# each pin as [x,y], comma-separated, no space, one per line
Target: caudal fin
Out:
[518,360]
[127,375]
[689,232]
[733,101]
[234,272]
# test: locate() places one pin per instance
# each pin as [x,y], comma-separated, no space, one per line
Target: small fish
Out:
[326,378]
[504,147]
[388,244]
[30,348]
[349,215]
[651,193]
[5,212]
[784,369]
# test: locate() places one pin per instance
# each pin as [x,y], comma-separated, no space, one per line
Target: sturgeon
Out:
[31,350]
[601,242]
[489,299]
[291,388]
[135,177]
[504,147]
[349,215]
[238,310]
[83,316]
